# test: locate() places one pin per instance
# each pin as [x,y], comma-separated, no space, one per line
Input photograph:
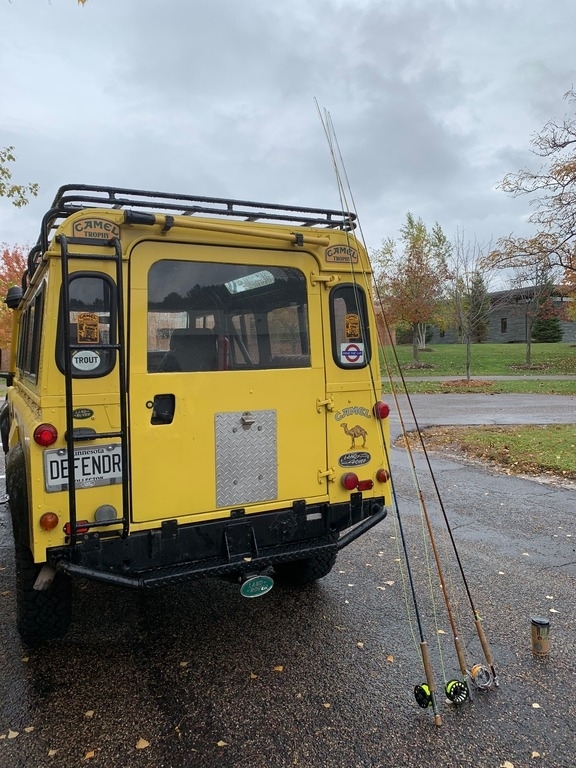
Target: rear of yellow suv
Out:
[194,391]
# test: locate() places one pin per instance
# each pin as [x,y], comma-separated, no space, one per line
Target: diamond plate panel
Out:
[246,464]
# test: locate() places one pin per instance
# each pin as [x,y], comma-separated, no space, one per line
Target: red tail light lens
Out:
[382,475]
[381,410]
[365,485]
[45,435]
[79,527]
[349,481]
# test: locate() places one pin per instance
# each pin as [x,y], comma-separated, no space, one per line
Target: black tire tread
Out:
[40,615]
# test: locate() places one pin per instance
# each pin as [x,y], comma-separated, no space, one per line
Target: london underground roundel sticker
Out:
[352,353]
[86,360]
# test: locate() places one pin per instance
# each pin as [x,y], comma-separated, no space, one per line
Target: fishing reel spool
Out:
[456,691]
[482,677]
[422,695]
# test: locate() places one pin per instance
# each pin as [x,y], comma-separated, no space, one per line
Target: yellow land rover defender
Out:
[194,390]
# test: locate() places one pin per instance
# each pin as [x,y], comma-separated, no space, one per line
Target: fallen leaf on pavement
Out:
[142,744]
[89,755]
[535,754]
[360,645]
[390,658]
[279,668]
[90,713]
[222,743]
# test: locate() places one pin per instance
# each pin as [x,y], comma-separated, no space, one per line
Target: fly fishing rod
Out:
[426,693]
[456,691]
[484,677]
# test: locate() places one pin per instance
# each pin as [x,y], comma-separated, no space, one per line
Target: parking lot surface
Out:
[324,677]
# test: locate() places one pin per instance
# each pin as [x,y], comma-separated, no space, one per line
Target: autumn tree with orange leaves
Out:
[411,278]
[12,264]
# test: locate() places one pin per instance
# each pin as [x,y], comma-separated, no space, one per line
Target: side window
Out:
[28,358]
[349,327]
[92,319]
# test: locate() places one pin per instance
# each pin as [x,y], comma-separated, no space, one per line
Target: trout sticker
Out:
[86,361]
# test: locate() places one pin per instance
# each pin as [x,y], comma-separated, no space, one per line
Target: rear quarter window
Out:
[349,326]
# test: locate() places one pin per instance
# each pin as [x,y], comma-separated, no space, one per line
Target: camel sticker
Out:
[356,433]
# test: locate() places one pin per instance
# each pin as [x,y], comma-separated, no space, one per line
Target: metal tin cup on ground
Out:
[540,636]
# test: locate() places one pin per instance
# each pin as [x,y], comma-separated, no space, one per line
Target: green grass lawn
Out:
[487,360]
[549,450]
[533,450]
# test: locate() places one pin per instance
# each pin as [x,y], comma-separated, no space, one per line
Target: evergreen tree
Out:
[547,329]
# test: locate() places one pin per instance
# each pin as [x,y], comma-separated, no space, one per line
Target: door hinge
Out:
[328,280]
[328,404]
[329,474]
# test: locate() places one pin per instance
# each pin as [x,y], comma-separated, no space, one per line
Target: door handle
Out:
[163,409]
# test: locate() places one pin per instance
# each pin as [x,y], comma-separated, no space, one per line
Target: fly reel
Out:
[456,691]
[482,677]
[422,695]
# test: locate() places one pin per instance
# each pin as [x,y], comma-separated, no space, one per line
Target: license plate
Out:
[100,465]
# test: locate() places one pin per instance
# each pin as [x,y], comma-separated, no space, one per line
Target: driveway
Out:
[199,677]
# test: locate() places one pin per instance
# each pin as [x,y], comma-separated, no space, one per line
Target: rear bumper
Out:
[232,547]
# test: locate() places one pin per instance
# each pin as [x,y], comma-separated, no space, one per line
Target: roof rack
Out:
[72,198]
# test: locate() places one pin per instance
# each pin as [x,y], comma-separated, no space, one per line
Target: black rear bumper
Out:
[239,545]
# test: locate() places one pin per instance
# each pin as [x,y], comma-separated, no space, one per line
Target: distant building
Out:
[509,317]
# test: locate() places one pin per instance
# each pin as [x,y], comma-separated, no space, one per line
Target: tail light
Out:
[49,521]
[79,527]
[349,481]
[381,410]
[45,435]
[382,475]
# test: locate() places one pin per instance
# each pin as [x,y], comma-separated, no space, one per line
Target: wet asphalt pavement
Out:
[324,677]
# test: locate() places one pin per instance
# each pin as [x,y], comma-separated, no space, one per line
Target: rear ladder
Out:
[73,437]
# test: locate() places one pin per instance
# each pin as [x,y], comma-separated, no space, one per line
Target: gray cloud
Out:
[433,101]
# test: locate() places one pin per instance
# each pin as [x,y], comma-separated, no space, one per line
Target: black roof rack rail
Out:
[72,198]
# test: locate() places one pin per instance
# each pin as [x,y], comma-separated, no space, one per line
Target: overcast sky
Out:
[433,101]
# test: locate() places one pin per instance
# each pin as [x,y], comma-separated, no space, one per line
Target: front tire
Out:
[41,615]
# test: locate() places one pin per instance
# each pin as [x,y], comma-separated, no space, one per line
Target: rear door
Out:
[226,370]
